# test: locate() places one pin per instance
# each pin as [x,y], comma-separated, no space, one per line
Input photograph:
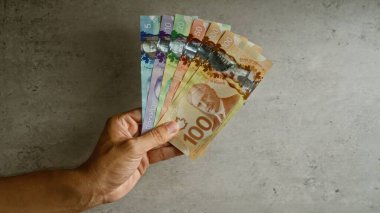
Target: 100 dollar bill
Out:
[215,93]
[241,64]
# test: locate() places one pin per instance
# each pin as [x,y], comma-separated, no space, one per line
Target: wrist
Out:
[81,188]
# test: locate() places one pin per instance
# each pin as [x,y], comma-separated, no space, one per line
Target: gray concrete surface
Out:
[307,142]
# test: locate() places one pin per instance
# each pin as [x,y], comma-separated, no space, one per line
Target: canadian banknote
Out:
[213,33]
[250,81]
[157,73]
[181,29]
[197,32]
[149,29]
[241,65]
[215,93]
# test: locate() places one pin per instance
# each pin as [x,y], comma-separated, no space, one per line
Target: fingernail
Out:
[172,127]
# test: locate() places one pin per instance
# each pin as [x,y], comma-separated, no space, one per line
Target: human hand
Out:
[121,156]
[119,160]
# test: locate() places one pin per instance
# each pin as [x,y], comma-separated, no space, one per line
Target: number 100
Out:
[196,132]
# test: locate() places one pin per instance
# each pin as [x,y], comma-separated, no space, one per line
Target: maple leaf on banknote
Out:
[217,47]
[145,58]
[160,56]
[181,123]
[206,39]
[162,34]
[175,35]
[197,61]
[171,57]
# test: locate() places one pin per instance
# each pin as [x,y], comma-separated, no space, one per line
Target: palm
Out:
[126,174]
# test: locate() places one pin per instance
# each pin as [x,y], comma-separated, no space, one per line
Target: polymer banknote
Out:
[157,73]
[149,29]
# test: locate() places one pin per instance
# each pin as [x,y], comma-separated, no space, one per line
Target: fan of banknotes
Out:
[196,72]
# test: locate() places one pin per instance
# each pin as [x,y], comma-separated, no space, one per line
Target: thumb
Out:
[155,137]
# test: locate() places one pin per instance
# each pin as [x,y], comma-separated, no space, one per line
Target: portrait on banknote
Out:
[205,98]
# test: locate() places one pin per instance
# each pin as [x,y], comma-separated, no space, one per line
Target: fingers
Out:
[162,145]
[163,153]
[134,114]
[123,126]
[155,137]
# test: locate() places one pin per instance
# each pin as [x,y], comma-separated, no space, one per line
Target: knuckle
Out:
[111,120]
[132,146]
[158,136]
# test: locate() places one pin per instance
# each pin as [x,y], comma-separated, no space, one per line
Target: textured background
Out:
[308,141]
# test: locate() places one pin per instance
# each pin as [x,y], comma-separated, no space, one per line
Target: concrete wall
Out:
[308,140]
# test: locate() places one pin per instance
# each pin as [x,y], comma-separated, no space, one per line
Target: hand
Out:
[119,160]
[121,156]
